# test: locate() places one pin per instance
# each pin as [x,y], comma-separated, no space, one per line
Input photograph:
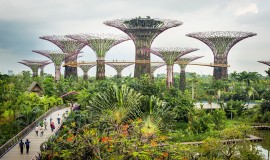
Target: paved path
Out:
[14,153]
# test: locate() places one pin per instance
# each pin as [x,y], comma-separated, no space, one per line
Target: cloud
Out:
[251,8]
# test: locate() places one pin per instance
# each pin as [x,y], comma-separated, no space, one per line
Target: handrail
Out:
[13,141]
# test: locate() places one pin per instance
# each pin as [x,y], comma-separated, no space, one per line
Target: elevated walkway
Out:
[14,153]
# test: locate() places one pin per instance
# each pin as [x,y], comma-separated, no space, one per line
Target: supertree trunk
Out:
[220,72]
[35,72]
[41,71]
[182,78]
[71,71]
[142,54]
[85,75]
[169,80]
[100,75]
[57,73]
[119,74]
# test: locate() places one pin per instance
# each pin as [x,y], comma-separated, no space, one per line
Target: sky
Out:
[22,22]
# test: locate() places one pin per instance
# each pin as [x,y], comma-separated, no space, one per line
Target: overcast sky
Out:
[22,22]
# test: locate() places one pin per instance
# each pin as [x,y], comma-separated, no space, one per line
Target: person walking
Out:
[36,130]
[21,145]
[45,124]
[58,119]
[51,118]
[41,131]
[52,126]
[27,145]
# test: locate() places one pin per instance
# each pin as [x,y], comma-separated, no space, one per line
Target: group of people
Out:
[26,144]
[41,127]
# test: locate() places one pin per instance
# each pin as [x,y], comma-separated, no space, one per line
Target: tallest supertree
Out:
[220,43]
[68,46]
[143,31]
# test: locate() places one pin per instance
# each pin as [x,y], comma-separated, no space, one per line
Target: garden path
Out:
[14,153]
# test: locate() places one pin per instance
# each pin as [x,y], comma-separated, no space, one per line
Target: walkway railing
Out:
[13,141]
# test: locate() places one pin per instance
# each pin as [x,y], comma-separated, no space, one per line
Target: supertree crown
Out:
[66,44]
[56,56]
[143,23]
[36,61]
[221,42]
[170,55]
[100,43]
[187,60]
[265,62]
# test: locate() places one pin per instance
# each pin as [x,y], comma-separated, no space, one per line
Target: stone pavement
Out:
[14,153]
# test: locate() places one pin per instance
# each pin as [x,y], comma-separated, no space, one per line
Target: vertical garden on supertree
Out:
[68,46]
[220,42]
[143,31]
[119,67]
[183,62]
[57,57]
[101,44]
[85,68]
[34,65]
[170,55]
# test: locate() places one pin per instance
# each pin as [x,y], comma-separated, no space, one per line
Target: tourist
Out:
[41,131]
[45,124]
[27,144]
[58,119]
[36,130]
[21,145]
[51,118]
[52,126]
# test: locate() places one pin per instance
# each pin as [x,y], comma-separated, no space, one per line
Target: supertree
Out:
[101,44]
[143,31]
[220,43]
[44,63]
[265,62]
[33,65]
[170,55]
[183,62]
[57,57]
[85,68]
[154,67]
[119,67]
[69,46]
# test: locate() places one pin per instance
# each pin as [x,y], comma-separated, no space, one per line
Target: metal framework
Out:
[143,31]
[183,62]
[85,68]
[170,55]
[33,65]
[119,67]
[154,67]
[44,63]
[220,42]
[265,62]
[57,57]
[69,46]
[101,44]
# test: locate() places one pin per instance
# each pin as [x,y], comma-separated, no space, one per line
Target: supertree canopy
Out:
[183,62]
[57,57]
[119,67]
[85,68]
[265,62]
[101,44]
[69,46]
[34,65]
[154,67]
[143,31]
[44,63]
[170,55]
[220,43]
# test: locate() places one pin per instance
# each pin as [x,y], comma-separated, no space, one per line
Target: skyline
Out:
[21,25]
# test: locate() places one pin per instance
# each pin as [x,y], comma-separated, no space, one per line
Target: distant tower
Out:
[44,63]
[34,67]
[57,57]
[183,62]
[154,67]
[85,68]
[143,31]
[119,67]
[69,46]
[101,44]
[220,43]
[170,55]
